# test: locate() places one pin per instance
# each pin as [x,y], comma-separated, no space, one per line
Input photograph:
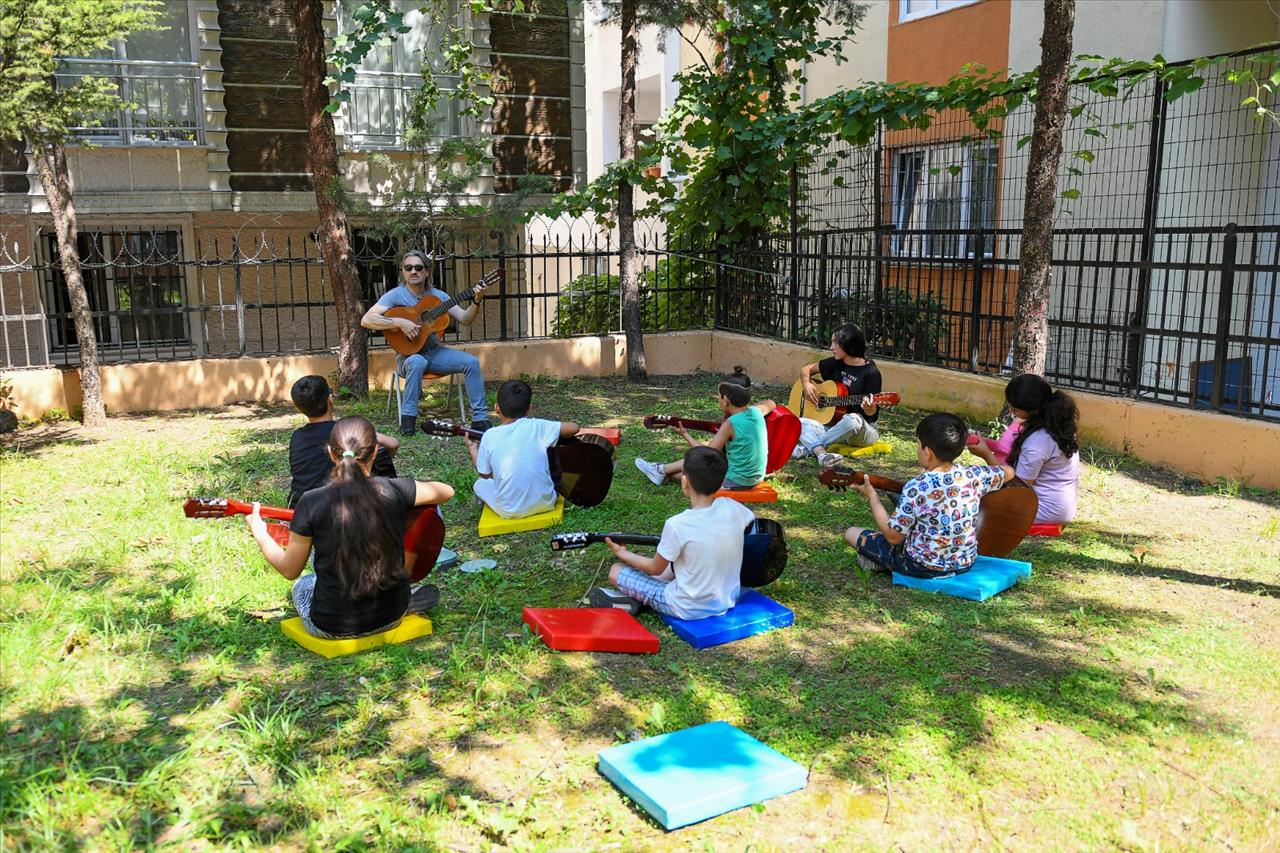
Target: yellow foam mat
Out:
[411,627]
[869,450]
[492,524]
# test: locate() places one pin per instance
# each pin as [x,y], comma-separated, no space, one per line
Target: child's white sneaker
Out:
[827,459]
[652,470]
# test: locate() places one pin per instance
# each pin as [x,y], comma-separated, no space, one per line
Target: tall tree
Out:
[628,262]
[37,108]
[1031,312]
[335,240]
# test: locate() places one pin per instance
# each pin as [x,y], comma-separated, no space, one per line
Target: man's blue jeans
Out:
[442,360]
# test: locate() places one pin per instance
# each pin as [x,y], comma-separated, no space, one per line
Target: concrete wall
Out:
[1202,444]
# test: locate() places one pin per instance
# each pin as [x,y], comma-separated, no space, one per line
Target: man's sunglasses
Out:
[413,268]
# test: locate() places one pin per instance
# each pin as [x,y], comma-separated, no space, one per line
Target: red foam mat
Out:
[590,629]
[760,493]
[1045,530]
[613,435]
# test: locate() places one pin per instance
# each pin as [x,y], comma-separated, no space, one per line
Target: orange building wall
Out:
[931,49]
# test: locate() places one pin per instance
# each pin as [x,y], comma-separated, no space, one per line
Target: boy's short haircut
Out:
[705,467]
[514,398]
[736,387]
[944,434]
[311,395]
[850,339]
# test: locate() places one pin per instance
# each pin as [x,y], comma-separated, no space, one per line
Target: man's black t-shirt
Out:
[859,379]
[309,462]
[330,610]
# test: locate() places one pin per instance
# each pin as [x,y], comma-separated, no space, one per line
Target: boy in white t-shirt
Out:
[696,572]
[511,459]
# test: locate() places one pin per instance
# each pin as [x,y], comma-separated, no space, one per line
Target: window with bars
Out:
[944,188]
[911,9]
[135,284]
[156,71]
[388,79]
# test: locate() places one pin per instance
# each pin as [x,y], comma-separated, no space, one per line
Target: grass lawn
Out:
[1127,696]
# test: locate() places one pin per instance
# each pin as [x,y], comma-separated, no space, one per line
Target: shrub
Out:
[672,296]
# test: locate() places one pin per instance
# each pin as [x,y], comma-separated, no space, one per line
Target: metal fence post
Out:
[1137,320]
[975,294]
[793,295]
[1226,295]
[502,286]
[717,294]
[237,260]
[821,325]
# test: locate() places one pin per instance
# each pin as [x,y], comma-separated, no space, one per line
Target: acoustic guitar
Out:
[764,548]
[1004,516]
[431,314]
[581,465]
[834,401]
[423,531]
[781,426]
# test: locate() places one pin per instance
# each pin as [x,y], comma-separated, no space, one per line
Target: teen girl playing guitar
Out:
[355,524]
[849,366]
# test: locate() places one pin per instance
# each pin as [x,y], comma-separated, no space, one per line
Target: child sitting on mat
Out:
[511,459]
[742,437]
[933,531]
[849,366]
[356,525]
[697,569]
[309,462]
[1045,453]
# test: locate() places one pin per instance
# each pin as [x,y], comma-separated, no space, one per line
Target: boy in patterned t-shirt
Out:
[933,531]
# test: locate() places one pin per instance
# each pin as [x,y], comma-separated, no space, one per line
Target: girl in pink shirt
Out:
[1044,450]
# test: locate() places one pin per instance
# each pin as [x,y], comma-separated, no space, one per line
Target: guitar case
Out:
[582,468]
[764,553]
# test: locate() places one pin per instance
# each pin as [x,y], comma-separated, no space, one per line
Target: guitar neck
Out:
[566,541]
[846,401]
[701,426]
[465,296]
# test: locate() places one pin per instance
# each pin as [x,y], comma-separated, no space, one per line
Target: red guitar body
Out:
[423,532]
[781,426]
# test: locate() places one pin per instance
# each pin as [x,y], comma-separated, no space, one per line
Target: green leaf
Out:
[1072,193]
[1023,141]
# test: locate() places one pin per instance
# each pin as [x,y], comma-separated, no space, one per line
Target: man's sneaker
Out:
[652,470]
[408,424]
[422,599]
[481,424]
[827,459]
[607,596]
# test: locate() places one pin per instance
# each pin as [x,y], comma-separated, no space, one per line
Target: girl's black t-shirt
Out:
[858,378]
[309,462]
[331,611]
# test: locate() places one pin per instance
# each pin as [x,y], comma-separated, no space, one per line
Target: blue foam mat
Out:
[989,575]
[700,772]
[754,613]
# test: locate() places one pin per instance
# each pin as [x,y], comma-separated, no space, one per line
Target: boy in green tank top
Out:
[741,437]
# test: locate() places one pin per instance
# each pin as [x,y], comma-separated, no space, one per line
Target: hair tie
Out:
[348,453]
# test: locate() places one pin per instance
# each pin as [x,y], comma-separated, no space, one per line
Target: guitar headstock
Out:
[207,508]
[440,428]
[570,541]
[659,421]
[839,479]
[886,398]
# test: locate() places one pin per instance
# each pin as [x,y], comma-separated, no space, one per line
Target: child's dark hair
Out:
[1052,411]
[311,395]
[370,554]
[736,387]
[705,468]
[944,434]
[514,398]
[850,339]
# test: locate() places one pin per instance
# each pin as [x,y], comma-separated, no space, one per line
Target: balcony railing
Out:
[378,111]
[166,95]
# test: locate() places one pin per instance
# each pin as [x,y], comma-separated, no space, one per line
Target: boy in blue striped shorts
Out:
[698,564]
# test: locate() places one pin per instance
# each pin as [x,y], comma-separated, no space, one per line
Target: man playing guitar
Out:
[416,270]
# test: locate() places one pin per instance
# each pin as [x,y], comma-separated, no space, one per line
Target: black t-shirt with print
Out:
[330,610]
[859,379]
[309,462]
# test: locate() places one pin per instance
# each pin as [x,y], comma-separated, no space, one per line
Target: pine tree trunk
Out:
[51,164]
[1031,315]
[335,243]
[628,262]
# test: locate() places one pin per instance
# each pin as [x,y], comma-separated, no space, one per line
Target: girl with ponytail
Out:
[1045,452]
[355,525]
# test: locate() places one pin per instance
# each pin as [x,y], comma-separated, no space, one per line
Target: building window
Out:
[909,10]
[134,281]
[154,70]
[943,191]
[390,76]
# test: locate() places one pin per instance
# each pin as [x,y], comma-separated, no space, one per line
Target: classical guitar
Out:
[423,532]
[834,400]
[581,466]
[764,548]
[781,426]
[431,314]
[1004,516]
